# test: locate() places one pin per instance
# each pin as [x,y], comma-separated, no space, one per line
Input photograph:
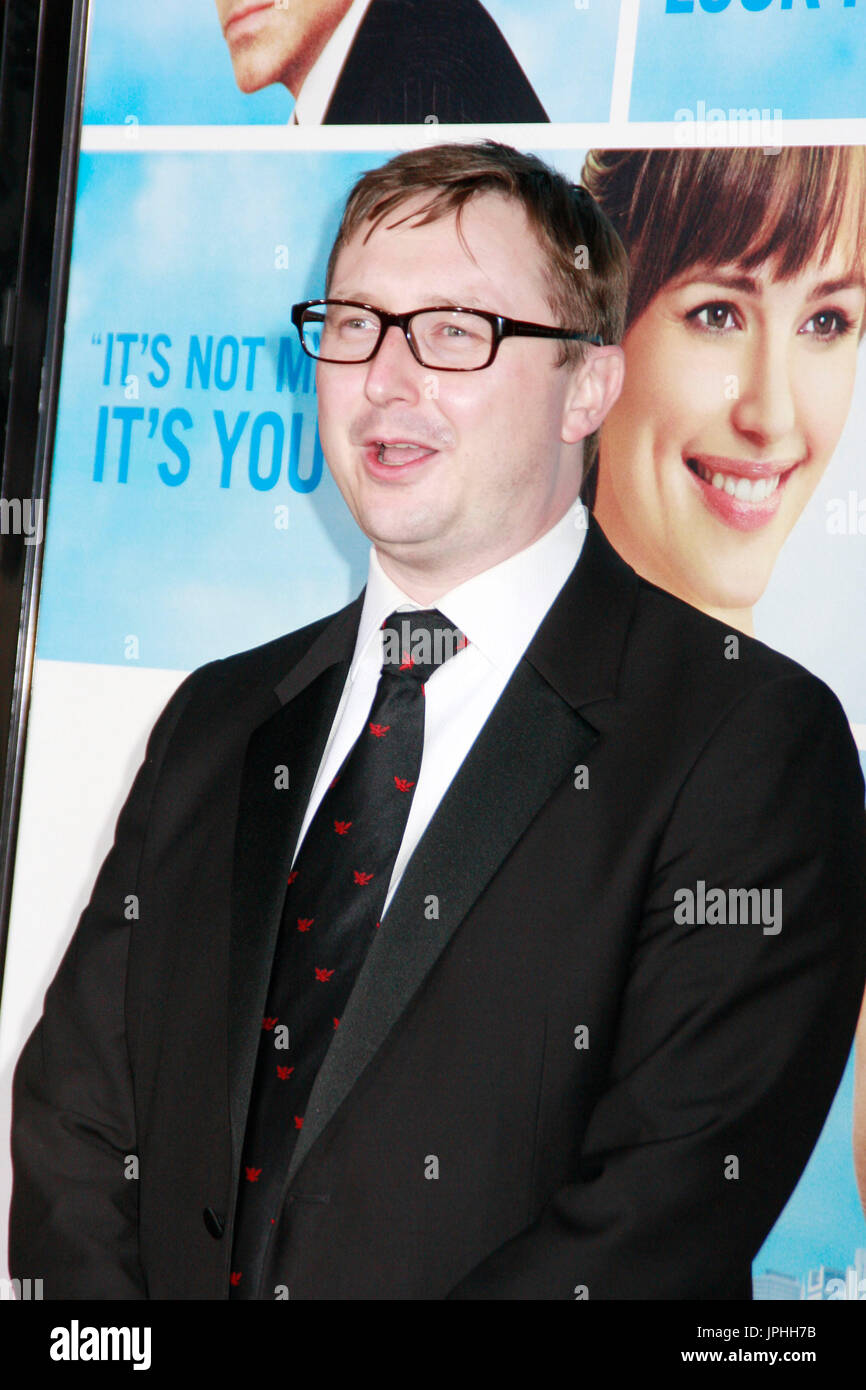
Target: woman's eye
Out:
[828,324]
[717,317]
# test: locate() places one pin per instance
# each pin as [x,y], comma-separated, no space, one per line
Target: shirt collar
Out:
[498,609]
[318,86]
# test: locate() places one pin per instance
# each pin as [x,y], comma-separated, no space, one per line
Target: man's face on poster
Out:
[277,40]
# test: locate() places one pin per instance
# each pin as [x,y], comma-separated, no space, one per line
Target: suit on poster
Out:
[411,61]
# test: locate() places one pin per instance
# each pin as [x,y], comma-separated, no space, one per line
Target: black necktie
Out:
[334,900]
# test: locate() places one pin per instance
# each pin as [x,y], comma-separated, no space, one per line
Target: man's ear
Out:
[592,391]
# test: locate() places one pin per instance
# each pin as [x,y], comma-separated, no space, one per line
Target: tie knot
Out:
[415,643]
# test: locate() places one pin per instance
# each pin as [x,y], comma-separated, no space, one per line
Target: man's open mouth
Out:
[396,453]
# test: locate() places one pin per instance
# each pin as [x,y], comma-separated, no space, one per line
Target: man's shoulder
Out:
[697,636]
[709,665]
[269,662]
[658,644]
[235,686]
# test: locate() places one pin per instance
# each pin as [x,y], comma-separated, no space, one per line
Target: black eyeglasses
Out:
[445,337]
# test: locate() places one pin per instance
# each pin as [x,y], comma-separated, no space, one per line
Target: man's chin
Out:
[397,520]
[252,74]
[402,540]
[419,544]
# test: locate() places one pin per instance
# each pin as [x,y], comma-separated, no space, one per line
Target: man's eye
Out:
[717,317]
[456,331]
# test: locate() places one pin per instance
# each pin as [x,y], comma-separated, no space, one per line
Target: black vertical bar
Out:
[37,307]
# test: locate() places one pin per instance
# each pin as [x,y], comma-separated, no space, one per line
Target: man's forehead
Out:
[483,243]
[413,212]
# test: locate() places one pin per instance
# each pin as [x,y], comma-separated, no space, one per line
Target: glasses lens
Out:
[452,338]
[340,332]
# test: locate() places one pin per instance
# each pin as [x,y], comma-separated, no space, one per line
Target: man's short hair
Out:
[586,265]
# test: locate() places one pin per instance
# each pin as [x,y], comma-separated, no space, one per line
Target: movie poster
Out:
[192,514]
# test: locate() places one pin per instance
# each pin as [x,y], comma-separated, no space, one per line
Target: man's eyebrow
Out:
[747,284]
[468,301]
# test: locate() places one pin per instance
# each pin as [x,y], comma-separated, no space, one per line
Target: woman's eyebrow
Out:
[730,279]
[747,284]
[844,282]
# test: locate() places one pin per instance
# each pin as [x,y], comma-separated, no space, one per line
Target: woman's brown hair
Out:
[675,209]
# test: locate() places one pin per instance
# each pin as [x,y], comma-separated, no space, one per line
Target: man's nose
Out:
[393,374]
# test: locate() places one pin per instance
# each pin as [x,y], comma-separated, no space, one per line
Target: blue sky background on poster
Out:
[139,63]
[807,61]
[175,561]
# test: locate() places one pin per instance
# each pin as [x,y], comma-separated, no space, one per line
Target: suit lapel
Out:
[292,736]
[529,745]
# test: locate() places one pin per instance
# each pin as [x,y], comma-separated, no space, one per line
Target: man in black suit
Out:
[581,1036]
[379,62]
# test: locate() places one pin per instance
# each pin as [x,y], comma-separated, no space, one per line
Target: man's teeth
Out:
[744,489]
[420,448]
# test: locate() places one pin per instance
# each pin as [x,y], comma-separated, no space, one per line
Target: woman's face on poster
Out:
[737,388]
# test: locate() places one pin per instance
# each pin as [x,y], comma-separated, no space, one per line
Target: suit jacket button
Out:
[215,1223]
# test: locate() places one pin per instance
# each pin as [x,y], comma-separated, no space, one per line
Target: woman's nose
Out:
[765,406]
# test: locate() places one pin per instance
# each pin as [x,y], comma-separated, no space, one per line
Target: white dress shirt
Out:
[318,86]
[499,611]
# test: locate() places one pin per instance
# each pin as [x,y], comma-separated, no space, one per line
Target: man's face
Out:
[277,42]
[495,459]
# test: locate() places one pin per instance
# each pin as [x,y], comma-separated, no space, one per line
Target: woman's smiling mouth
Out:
[743,493]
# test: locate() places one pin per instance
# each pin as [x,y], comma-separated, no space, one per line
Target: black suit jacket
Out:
[465,1137]
[415,59]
